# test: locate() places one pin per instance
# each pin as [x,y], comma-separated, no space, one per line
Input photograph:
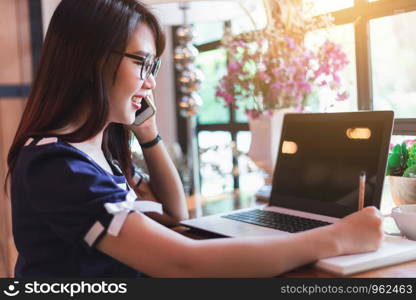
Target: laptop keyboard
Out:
[276,220]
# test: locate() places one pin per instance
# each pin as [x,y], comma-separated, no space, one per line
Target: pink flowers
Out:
[342,96]
[279,72]
[234,66]
[331,61]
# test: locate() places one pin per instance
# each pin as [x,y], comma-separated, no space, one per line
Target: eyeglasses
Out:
[150,64]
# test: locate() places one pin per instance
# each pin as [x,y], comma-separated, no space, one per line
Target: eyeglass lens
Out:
[151,65]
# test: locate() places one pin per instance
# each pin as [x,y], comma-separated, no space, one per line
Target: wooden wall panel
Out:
[15,69]
[25,49]
[10,112]
[15,52]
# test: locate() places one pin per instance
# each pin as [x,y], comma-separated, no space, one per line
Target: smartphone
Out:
[147,110]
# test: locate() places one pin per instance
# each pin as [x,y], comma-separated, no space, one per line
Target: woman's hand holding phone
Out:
[145,127]
[146,111]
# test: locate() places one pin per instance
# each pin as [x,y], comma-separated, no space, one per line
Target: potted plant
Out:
[271,71]
[401,169]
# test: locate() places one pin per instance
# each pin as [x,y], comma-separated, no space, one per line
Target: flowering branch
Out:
[274,69]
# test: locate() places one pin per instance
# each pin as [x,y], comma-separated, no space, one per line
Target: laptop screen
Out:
[321,157]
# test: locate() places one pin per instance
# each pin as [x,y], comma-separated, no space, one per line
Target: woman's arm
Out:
[145,192]
[157,251]
[165,182]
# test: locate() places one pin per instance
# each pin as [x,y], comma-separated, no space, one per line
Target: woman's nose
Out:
[150,83]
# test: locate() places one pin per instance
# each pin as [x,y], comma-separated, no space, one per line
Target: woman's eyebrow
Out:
[141,53]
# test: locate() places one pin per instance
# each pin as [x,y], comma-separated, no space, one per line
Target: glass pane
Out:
[325,6]
[216,162]
[213,65]
[324,100]
[208,32]
[240,116]
[253,18]
[250,177]
[243,141]
[393,60]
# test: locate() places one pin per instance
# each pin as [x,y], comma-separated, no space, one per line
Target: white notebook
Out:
[394,250]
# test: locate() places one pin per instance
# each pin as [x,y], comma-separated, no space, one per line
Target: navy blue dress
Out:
[58,195]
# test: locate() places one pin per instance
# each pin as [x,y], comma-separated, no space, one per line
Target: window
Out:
[208,32]
[343,35]
[326,6]
[393,62]
[213,64]
[377,37]
[216,162]
[250,179]
[223,135]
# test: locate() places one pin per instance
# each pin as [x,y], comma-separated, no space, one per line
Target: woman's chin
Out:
[131,118]
[131,121]
[127,121]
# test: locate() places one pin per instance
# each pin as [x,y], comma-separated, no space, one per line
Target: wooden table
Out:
[199,206]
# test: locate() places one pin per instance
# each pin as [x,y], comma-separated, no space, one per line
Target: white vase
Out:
[265,138]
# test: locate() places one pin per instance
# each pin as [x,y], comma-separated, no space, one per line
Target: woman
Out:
[74,134]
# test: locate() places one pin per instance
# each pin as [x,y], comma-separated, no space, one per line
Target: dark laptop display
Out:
[321,157]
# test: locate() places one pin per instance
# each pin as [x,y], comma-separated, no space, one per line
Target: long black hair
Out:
[76,70]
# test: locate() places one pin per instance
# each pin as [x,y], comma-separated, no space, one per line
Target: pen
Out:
[361,190]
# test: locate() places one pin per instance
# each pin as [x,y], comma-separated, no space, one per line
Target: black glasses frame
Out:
[150,64]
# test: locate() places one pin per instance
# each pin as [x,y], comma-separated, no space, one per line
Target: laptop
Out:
[316,176]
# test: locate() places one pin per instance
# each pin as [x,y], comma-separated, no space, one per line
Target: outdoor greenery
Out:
[402,160]
[212,64]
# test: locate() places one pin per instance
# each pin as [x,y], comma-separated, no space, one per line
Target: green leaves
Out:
[393,161]
[412,156]
[410,172]
[402,161]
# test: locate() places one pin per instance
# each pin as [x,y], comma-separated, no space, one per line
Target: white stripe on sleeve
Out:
[93,233]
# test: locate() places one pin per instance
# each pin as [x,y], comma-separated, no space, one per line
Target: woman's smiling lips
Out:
[136,101]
